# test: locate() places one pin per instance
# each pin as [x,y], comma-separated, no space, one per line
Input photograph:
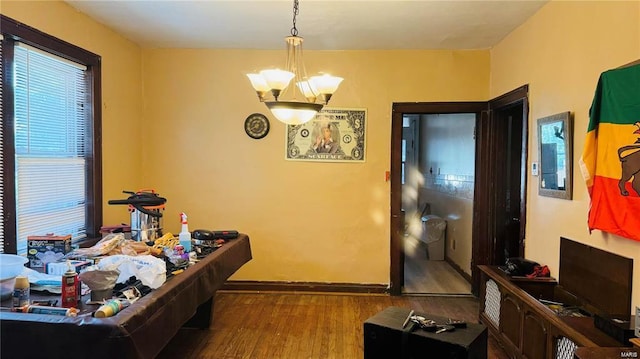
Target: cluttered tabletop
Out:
[136,282]
[103,279]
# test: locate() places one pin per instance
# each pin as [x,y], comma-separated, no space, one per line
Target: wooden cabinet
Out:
[526,328]
[535,334]
[510,322]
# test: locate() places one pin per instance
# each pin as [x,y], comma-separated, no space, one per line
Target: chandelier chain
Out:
[296,11]
[285,105]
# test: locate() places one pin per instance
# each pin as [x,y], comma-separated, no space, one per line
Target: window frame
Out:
[13,31]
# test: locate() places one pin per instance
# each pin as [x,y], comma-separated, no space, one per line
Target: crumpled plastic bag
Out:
[115,243]
[151,271]
[103,247]
[99,279]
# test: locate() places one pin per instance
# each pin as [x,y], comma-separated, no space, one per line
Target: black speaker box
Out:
[383,339]
[619,327]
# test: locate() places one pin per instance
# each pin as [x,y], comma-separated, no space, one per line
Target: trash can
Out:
[433,231]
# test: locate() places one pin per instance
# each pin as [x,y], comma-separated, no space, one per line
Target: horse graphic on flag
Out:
[630,165]
[610,161]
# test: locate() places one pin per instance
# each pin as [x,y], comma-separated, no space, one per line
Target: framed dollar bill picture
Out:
[333,135]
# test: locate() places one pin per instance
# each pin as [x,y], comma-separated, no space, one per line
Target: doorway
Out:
[499,202]
[439,163]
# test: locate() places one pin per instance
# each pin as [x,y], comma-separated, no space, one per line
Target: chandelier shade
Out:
[293,104]
[293,112]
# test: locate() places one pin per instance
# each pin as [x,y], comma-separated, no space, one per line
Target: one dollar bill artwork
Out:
[334,134]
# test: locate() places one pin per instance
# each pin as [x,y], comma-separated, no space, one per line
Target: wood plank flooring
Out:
[424,276]
[302,325]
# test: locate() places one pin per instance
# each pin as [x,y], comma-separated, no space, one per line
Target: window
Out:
[50,138]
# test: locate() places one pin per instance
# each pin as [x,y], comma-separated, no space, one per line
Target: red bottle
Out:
[70,288]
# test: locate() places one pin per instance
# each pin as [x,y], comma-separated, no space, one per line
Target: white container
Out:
[433,234]
[11,265]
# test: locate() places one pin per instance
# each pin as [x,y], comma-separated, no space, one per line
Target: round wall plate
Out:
[256,125]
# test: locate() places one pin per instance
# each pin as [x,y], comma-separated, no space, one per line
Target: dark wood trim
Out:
[523,175]
[41,40]
[489,153]
[510,97]
[8,150]
[399,109]
[12,31]
[438,107]
[94,178]
[269,286]
[480,239]
[396,280]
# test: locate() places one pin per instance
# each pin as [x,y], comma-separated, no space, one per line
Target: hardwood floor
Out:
[302,325]
[424,276]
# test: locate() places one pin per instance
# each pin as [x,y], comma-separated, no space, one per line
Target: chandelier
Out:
[297,104]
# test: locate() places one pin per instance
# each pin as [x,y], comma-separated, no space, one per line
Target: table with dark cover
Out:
[139,331]
[384,337]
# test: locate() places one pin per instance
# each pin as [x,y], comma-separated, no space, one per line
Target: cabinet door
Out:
[534,335]
[511,322]
[559,345]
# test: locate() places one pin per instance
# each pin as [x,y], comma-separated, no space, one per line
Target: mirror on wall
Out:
[555,154]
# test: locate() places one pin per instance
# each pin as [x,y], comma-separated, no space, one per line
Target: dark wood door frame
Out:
[486,144]
[397,216]
[489,150]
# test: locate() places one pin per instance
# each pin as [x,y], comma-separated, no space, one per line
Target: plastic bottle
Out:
[21,292]
[36,309]
[70,288]
[185,237]
[111,308]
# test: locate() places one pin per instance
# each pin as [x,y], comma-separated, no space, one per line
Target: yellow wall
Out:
[173,121]
[121,90]
[560,52]
[319,222]
[182,134]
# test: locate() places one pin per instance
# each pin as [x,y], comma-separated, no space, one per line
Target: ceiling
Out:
[324,24]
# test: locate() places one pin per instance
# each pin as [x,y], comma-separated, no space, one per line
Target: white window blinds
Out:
[50,134]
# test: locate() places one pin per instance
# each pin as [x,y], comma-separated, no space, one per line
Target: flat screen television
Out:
[599,279]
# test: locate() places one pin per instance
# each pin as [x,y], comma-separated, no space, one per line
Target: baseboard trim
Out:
[268,286]
[458,269]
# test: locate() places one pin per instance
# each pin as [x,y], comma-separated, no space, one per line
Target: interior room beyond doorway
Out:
[438,165]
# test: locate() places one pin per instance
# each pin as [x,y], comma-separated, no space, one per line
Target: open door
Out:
[500,188]
[499,212]
[401,111]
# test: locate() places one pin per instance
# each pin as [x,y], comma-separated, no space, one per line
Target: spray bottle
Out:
[185,236]
[70,288]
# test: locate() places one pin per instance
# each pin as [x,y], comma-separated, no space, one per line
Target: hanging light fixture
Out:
[286,106]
